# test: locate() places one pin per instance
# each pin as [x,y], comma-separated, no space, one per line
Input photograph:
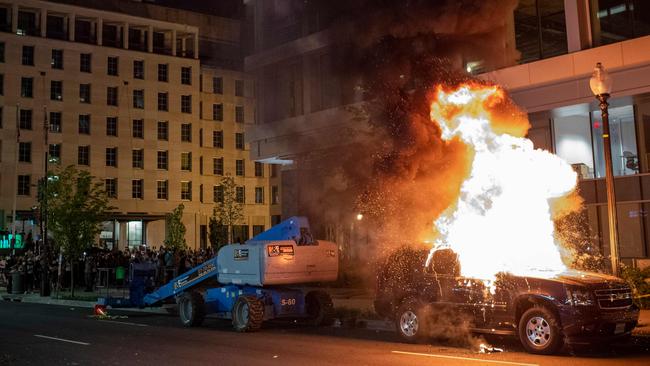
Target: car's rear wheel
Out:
[539,331]
[411,320]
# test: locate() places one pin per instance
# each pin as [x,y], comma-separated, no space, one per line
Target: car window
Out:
[444,262]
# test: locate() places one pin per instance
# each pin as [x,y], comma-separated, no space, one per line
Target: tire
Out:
[539,331]
[191,309]
[247,314]
[411,320]
[319,308]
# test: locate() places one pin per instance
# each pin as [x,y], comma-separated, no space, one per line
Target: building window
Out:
[56,125]
[138,158]
[239,168]
[259,169]
[217,194]
[138,99]
[83,155]
[84,93]
[57,59]
[163,72]
[614,21]
[111,95]
[54,154]
[240,195]
[138,69]
[275,195]
[85,62]
[186,75]
[2,84]
[25,152]
[162,102]
[259,195]
[25,122]
[162,189]
[2,52]
[186,190]
[28,56]
[186,103]
[111,156]
[24,185]
[217,85]
[27,87]
[186,161]
[217,166]
[239,88]
[217,139]
[186,132]
[56,90]
[138,128]
[110,185]
[239,141]
[112,66]
[163,130]
[137,188]
[578,140]
[239,114]
[217,112]
[163,158]
[84,124]
[258,229]
[111,126]
[540,30]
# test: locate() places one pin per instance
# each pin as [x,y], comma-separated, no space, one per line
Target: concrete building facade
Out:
[127,99]
[559,42]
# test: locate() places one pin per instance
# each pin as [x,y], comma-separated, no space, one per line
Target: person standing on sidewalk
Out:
[29,272]
[89,270]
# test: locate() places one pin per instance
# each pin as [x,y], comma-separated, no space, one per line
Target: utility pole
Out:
[13,209]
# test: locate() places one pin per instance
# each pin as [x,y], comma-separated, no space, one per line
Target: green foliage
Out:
[175,229]
[76,207]
[226,213]
[639,281]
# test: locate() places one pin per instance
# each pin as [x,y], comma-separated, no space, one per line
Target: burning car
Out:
[544,313]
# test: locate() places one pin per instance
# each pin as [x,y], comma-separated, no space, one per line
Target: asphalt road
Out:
[34,334]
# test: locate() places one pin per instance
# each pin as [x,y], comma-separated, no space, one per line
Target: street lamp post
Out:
[601,86]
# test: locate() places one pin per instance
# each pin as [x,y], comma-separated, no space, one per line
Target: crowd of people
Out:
[115,263]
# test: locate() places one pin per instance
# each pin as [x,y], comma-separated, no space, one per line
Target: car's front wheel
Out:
[539,331]
[410,320]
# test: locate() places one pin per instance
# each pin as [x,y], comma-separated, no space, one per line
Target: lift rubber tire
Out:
[539,331]
[320,309]
[247,314]
[411,320]
[191,309]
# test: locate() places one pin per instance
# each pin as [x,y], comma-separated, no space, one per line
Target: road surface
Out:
[35,334]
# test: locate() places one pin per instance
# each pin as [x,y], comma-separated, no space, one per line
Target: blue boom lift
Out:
[248,282]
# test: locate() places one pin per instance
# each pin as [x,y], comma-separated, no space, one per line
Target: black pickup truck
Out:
[573,307]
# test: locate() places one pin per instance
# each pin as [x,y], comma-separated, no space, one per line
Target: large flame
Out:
[501,221]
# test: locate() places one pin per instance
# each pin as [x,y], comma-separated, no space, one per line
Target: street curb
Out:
[74,303]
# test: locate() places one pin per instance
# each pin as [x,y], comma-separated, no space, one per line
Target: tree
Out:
[76,206]
[175,229]
[228,211]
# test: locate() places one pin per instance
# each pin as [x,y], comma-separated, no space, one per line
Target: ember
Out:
[501,221]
